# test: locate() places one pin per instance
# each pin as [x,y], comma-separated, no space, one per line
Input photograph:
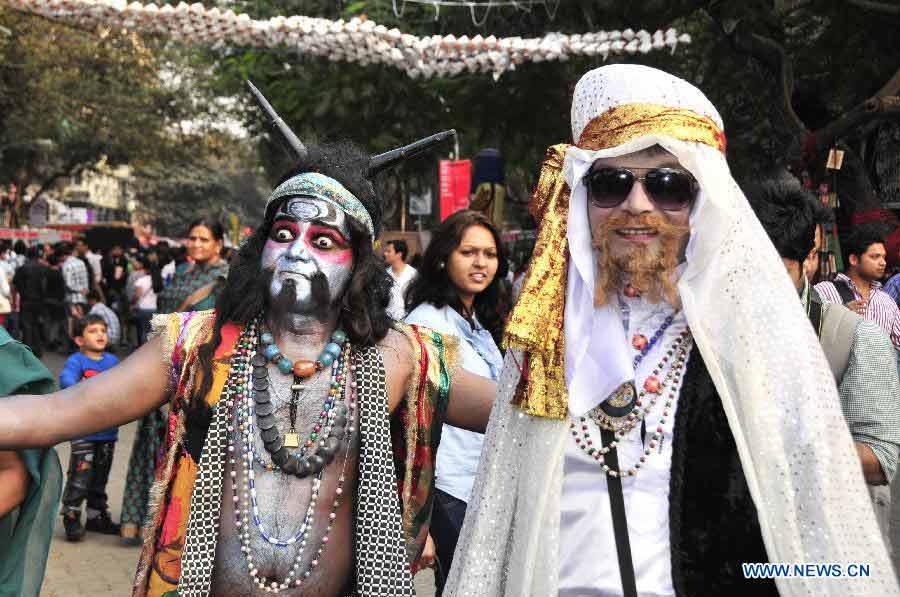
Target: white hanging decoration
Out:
[358,40]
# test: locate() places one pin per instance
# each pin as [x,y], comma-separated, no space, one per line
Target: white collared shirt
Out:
[588,565]
[397,306]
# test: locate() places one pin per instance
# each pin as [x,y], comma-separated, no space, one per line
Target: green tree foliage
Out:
[70,97]
[219,185]
[829,58]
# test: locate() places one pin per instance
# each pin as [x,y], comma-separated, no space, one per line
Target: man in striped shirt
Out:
[859,287]
[859,353]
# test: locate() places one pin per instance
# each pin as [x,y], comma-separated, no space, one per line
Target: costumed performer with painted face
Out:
[291,407]
[665,411]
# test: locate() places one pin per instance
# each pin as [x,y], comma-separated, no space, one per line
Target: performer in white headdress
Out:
[665,411]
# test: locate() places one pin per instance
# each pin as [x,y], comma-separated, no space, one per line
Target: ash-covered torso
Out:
[283,501]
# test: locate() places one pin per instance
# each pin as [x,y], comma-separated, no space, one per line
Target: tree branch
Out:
[882,7]
[774,56]
[884,104]
[788,9]
[892,87]
[69,169]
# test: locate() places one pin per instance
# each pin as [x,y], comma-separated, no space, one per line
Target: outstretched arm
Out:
[471,400]
[124,393]
[471,396]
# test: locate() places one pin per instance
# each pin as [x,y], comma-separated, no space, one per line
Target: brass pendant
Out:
[291,440]
[612,413]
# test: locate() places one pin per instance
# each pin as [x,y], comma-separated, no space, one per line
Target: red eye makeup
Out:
[284,231]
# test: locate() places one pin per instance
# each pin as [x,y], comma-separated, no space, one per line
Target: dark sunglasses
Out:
[669,189]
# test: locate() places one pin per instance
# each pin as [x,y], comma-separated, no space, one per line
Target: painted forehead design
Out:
[309,209]
[319,186]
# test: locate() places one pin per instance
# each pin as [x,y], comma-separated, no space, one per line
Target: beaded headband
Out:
[319,186]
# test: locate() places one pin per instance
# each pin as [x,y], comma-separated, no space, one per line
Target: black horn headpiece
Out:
[296,146]
[377,163]
[389,159]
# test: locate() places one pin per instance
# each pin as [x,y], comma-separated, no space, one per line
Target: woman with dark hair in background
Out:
[456,292]
[196,283]
[194,288]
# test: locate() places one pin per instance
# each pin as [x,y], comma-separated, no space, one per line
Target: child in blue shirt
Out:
[91,456]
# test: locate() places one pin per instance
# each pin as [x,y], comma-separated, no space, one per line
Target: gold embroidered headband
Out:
[623,123]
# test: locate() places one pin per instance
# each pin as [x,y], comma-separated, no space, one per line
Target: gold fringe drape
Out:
[535,325]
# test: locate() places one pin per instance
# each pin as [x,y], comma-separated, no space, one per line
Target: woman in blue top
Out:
[457,292]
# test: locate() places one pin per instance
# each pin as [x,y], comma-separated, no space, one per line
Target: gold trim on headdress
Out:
[536,323]
[623,123]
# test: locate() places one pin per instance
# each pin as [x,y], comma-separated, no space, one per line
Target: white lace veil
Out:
[775,385]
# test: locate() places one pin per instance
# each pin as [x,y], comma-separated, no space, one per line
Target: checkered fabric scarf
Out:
[382,569]
[381,564]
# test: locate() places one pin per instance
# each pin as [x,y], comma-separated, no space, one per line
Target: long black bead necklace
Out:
[325,437]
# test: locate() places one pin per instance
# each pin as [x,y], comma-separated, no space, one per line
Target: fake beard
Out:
[649,268]
[320,295]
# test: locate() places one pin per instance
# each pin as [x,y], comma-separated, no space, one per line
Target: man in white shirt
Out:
[96,261]
[113,329]
[395,252]
[661,421]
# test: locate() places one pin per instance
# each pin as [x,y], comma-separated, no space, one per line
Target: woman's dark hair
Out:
[433,284]
[153,269]
[214,226]
[363,307]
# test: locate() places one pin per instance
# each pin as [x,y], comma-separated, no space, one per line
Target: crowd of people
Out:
[69,299]
[47,288]
[667,399]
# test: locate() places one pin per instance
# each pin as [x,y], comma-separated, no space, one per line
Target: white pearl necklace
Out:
[243,422]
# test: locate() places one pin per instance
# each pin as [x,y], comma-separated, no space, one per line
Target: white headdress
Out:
[767,365]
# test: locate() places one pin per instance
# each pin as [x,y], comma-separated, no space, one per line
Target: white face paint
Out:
[309,236]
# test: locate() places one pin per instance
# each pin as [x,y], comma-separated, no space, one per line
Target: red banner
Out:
[455,178]
[35,234]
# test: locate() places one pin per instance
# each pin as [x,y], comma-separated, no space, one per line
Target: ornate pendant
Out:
[291,440]
[613,412]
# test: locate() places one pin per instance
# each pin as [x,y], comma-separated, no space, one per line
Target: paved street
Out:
[99,566]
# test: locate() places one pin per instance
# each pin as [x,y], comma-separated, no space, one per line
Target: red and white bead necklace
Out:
[676,356]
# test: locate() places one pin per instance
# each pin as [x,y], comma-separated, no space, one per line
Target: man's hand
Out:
[429,554]
[857,306]
[870,465]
